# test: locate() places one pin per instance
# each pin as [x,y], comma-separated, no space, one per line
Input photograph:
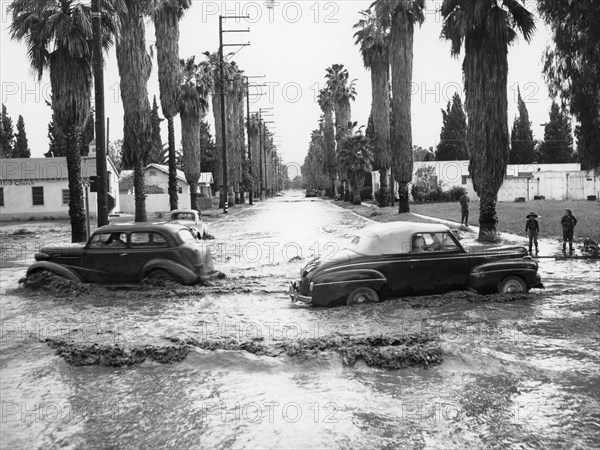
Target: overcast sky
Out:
[291,44]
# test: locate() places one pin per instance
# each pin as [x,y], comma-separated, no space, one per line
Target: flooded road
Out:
[518,374]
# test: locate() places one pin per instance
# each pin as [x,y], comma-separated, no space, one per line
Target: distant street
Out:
[522,373]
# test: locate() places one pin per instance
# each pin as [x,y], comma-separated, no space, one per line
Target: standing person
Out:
[568,223]
[464,209]
[532,228]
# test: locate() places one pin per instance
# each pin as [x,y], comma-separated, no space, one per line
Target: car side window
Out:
[108,240]
[449,244]
[158,240]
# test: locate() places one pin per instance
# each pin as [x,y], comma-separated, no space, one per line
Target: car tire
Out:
[161,276]
[512,285]
[362,295]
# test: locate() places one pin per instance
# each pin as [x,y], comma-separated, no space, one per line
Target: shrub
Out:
[539,197]
[519,199]
[456,192]
[366,193]
[591,198]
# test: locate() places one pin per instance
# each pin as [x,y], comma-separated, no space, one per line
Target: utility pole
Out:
[225,189]
[101,170]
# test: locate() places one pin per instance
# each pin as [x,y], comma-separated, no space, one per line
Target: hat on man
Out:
[531,214]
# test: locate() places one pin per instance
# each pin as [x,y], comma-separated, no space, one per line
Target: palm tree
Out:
[193,104]
[401,15]
[58,35]
[166,15]
[486,28]
[254,129]
[135,66]
[330,167]
[342,91]
[355,157]
[373,37]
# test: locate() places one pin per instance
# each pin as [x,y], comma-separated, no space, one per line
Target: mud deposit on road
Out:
[387,352]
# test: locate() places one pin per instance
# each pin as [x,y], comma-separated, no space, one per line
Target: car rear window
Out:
[186,235]
[147,240]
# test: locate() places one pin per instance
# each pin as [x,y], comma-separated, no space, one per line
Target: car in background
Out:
[403,259]
[130,253]
[311,193]
[191,219]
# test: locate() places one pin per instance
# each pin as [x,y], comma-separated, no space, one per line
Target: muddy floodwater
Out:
[237,365]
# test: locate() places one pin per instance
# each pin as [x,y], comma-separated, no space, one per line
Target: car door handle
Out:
[123,254]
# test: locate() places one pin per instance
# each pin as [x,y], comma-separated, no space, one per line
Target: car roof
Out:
[404,228]
[183,211]
[393,237]
[140,227]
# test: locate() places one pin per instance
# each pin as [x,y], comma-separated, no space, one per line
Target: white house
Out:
[156,178]
[553,181]
[38,188]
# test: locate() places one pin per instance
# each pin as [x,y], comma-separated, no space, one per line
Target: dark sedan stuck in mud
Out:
[403,259]
[130,253]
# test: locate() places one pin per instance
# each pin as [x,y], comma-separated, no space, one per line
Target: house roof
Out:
[126,181]
[43,168]
[164,168]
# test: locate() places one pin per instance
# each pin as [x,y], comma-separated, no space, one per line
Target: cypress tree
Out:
[557,146]
[21,149]
[156,149]
[7,134]
[453,137]
[522,145]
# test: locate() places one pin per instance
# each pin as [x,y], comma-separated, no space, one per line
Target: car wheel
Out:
[161,276]
[512,285]
[362,295]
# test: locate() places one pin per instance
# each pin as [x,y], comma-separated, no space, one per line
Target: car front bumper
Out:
[295,295]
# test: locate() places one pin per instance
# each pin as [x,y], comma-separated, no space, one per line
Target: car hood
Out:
[68,249]
[186,223]
[500,250]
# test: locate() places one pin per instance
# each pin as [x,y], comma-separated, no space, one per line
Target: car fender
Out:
[332,288]
[54,268]
[487,276]
[182,273]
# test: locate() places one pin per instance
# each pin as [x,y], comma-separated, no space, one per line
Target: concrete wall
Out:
[553,181]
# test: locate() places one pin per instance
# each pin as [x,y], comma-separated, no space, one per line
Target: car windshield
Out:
[183,216]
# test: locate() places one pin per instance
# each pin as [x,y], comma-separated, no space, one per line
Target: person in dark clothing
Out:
[464,209]
[532,228]
[568,223]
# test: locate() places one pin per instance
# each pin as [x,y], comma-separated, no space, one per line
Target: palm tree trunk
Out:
[486,103]
[135,67]
[173,195]
[139,187]
[218,167]
[380,111]
[76,204]
[194,196]
[401,59]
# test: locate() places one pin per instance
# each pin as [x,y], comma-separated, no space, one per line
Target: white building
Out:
[156,178]
[38,188]
[552,181]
